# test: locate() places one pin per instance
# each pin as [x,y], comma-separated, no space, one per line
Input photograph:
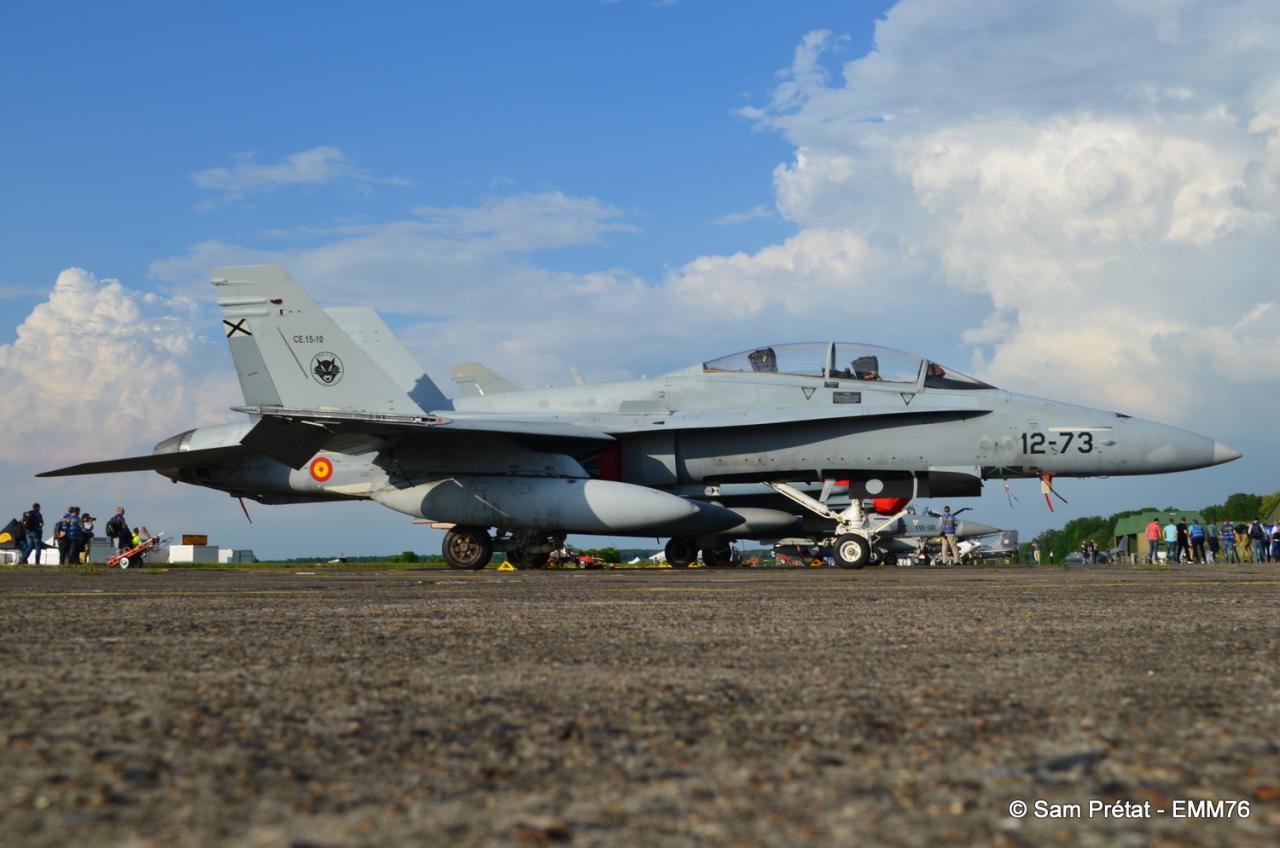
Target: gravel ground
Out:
[887,706]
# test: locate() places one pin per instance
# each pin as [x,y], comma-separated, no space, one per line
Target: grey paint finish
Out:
[890,422]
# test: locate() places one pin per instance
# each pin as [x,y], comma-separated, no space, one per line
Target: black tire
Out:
[717,557]
[467,548]
[525,558]
[682,553]
[851,551]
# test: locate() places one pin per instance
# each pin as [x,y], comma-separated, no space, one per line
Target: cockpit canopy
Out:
[844,361]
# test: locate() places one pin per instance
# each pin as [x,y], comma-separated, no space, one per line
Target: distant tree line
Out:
[1056,544]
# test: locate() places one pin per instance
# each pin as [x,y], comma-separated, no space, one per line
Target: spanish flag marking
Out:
[321,469]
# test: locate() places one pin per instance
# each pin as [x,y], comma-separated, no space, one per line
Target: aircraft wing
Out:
[385,425]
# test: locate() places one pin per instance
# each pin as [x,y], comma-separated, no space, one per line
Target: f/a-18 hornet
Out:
[337,410]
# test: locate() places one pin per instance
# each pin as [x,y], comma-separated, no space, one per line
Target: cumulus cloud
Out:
[1105,176]
[317,166]
[98,365]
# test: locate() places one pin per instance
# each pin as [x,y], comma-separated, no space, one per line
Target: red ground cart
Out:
[133,556]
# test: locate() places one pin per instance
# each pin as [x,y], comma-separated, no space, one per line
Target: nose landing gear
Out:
[854,536]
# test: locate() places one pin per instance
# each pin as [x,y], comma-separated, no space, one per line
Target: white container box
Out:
[193,553]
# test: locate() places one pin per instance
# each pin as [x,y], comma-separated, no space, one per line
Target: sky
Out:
[1076,201]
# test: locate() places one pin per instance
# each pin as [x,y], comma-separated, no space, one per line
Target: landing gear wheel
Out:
[681,553]
[467,548]
[526,558]
[851,551]
[717,557]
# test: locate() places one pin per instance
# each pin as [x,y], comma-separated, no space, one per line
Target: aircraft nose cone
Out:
[1222,453]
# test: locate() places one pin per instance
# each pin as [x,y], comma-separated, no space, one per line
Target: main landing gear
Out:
[682,553]
[471,548]
[467,548]
[530,549]
[721,557]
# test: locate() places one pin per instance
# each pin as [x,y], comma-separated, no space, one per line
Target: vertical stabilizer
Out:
[367,329]
[290,352]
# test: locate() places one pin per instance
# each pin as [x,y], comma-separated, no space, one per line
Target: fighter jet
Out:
[332,418]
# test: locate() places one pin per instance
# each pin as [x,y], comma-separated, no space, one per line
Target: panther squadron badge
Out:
[327,368]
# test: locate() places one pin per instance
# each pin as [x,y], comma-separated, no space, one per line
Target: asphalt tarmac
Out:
[888,706]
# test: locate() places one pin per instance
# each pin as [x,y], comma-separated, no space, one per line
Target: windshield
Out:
[938,377]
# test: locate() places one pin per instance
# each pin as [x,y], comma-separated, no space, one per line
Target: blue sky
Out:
[1078,203]
[115,108]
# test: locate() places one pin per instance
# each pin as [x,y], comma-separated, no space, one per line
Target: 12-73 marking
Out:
[1037,442]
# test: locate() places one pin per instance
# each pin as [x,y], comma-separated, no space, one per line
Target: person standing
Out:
[1035,550]
[1153,541]
[1228,534]
[1211,538]
[950,550]
[1195,533]
[1184,543]
[118,531]
[87,524]
[1171,542]
[32,533]
[1258,541]
[68,534]
[1274,537]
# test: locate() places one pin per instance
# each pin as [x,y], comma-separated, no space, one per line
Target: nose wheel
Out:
[851,551]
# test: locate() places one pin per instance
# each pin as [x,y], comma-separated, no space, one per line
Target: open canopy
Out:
[844,361]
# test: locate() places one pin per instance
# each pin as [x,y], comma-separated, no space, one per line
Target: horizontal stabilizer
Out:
[475,379]
[290,442]
[152,461]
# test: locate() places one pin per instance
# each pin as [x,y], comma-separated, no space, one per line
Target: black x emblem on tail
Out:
[237,327]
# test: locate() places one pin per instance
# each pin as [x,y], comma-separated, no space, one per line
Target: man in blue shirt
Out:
[1229,543]
[71,537]
[947,524]
[1196,534]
